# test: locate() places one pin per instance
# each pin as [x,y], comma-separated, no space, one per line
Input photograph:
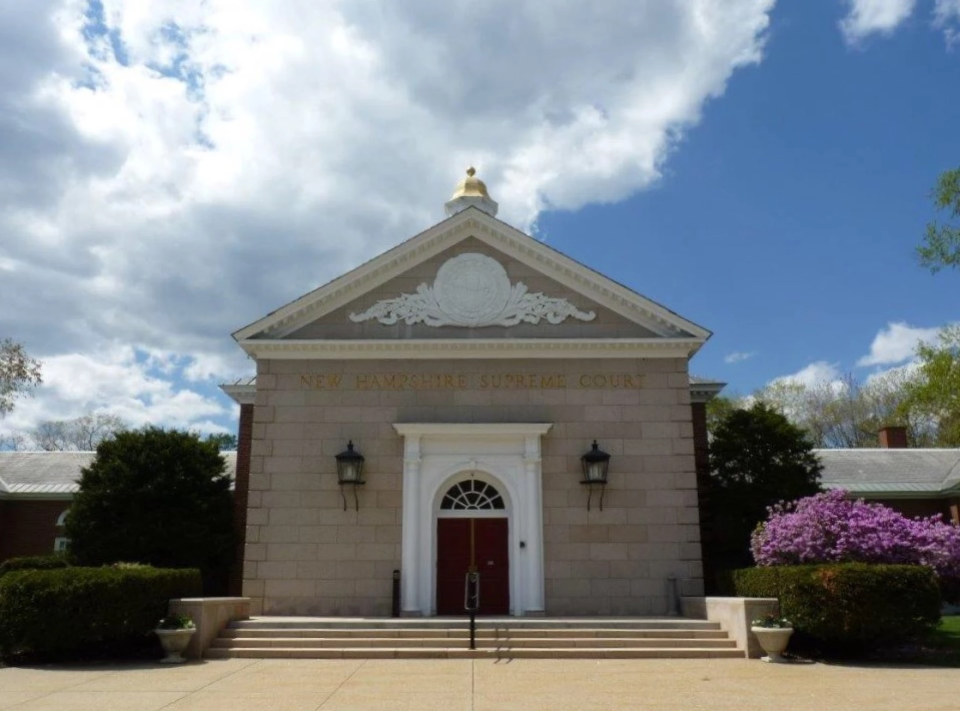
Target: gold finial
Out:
[470,186]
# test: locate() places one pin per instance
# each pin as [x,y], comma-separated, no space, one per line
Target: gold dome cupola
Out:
[471,191]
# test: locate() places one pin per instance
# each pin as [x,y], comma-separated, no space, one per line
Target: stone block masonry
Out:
[306,555]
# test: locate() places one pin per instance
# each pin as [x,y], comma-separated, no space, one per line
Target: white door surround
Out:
[436,456]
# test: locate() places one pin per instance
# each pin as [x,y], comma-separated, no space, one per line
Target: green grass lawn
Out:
[947,635]
[941,648]
[944,643]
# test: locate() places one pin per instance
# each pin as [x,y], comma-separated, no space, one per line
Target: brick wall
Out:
[701,451]
[920,507]
[29,527]
[240,497]
[306,555]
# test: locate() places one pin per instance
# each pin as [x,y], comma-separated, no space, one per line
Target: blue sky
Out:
[170,172]
[786,222]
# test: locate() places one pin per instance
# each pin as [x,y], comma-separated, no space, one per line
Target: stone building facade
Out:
[472,367]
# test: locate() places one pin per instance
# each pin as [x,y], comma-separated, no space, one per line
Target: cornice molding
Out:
[458,349]
[499,235]
[245,394]
[364,278]
[705,392]
[588,282]
[513,430]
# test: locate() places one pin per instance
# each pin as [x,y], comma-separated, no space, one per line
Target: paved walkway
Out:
[452,685]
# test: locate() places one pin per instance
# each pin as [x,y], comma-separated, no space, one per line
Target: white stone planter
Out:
[173,643]
[773,640]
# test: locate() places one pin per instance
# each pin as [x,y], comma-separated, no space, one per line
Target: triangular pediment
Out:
[426,289]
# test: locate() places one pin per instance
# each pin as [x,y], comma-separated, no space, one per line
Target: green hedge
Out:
[33,562]
[849,608]
[86,612]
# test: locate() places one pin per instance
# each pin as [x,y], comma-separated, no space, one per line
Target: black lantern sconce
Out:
[596,464]
[350,473]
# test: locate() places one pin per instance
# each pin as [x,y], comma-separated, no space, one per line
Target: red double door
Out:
[457,549]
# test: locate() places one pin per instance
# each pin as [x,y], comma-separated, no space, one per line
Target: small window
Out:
[60,545]
[62,519]
[472,495]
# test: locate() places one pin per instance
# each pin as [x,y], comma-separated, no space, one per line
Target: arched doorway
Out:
[473,534]
[438,455]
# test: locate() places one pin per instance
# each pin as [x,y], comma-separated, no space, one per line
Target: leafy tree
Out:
[934,395]
[719,408]
[80,434]
[848,412]
[757,459]
[226,442]
[18,373]
[941,244]
[155,496]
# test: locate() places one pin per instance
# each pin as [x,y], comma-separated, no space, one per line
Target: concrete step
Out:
[497,638]
[463,633]
[443,623]
[492,653]
[488,642]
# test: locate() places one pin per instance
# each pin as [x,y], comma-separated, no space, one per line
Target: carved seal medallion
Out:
[472,290]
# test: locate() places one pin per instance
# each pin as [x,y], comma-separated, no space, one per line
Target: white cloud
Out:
[117,381]
[814,374]
[738,357]
[946,15]
[173,170]
[867,17]
[896,343]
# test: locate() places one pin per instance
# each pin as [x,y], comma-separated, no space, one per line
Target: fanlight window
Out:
[472,495]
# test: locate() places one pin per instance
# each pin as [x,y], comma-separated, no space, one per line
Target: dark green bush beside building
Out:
[34,562]
[849,608]
[155,496]
[86,612]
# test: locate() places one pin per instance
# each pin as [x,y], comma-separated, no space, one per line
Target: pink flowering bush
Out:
[829,527]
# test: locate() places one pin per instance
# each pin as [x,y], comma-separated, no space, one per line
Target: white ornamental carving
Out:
[472,290]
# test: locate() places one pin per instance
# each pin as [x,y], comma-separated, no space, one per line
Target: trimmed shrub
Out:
[33,562]
[849,608]
[86,612]
[831,528]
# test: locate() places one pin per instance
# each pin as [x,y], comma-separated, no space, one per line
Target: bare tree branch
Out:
[81,434]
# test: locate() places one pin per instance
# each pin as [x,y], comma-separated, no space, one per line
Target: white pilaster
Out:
[410,571]
[533,535]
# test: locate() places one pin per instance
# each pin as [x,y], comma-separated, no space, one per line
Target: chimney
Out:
[893,437]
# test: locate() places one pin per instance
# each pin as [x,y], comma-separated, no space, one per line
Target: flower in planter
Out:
[771,621]
[176,622]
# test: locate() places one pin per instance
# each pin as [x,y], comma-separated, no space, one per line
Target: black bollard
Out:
[396,594]
[471,603]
